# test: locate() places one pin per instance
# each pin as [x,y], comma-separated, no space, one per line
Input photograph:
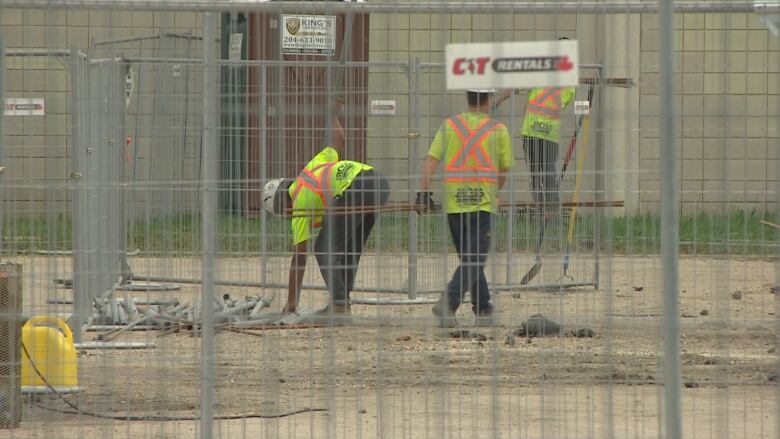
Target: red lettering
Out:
[456,68]
[481,63]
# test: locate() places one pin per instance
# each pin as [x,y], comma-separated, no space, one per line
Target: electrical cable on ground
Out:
[77,411]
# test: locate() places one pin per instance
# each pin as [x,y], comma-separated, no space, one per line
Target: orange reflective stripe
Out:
[308,179]
[472,145]
[548,103]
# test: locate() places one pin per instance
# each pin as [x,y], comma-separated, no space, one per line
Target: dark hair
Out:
[282,200]
[476,99]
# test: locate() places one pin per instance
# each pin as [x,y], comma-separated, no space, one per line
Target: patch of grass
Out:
[736,233]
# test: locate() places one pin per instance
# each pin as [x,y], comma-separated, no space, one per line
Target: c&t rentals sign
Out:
[309,35]
[512,65]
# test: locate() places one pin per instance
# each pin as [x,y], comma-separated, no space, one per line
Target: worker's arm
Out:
[337,138]
[297,270]
[426,173]
[502,174]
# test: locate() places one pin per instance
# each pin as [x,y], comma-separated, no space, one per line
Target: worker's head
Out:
[480,98]
[276,196]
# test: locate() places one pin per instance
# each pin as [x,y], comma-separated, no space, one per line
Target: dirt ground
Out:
[393,373]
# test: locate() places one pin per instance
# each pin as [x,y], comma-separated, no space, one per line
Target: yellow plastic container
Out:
[49,343]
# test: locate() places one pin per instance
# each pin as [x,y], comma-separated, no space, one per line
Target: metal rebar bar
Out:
[669,227]
[504,7]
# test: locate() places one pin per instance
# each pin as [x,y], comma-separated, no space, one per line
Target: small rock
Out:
[775,290]
[459,333]
[479,337]
[710,361]
[639,288]
[704,312]
[510,341]
[362,411]
[686,315]
[404,338]
[772,377]
[737,295]
[537,325]
[349,347]
[691,385]
[771,351]
[282,380]
[584,333]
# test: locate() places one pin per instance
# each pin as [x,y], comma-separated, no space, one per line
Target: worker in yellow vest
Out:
[477,154]
[332,195]
[541,135]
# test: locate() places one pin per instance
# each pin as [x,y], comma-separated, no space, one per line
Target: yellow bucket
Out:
[49,343]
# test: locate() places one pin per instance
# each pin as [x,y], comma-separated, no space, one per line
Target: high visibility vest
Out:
[543,112]
[317,180]
[481,169]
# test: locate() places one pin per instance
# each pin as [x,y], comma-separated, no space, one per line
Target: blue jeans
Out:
[340,243]
[471,236]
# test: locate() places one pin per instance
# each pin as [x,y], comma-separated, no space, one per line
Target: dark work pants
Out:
[340,243]
[471,236]
[541,156]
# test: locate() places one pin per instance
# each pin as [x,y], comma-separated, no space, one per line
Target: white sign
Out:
[234,52]
[384,108]
[512,65]
[581,107]
[24,107]
[309,34]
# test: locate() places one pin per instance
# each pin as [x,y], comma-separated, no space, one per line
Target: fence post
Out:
[669,228]
[209,217]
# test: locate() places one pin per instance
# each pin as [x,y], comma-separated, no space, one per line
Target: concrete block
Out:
[692,83]
[399,21]
[737,40]
[692,126]
[692,62]
[33,17]
[78,36]
[11,17]
[691,170]
[399,42]
[757,126]
[142,19]
[693,21]
[524,22]
[649,148]
[693,40]
[757,83]
[648,62]
[13,36]
[756,105]
[56,37]
[757,63]
[649,41]
[99,18]
[649,105]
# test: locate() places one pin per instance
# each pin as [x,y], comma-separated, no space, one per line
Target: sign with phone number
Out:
[309,35]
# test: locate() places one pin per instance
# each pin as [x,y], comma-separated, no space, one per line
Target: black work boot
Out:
[484,316]
[445,314]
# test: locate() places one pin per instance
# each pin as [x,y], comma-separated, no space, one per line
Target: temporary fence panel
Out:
[172,116]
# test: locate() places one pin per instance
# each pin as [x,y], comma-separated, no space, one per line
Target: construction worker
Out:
[477,154]
[541,134]
[323,195]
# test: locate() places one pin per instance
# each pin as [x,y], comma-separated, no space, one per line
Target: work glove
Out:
[424,202]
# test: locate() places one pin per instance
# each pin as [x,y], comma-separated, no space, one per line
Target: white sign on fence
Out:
[309,35]
[24,107]
[383,108]
[234,53]
[512,64]
[581,107]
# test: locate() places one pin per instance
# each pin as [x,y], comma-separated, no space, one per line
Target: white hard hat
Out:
[269,195]
[482,90]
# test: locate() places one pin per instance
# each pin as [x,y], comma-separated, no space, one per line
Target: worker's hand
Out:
[424,202]
[290,308]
